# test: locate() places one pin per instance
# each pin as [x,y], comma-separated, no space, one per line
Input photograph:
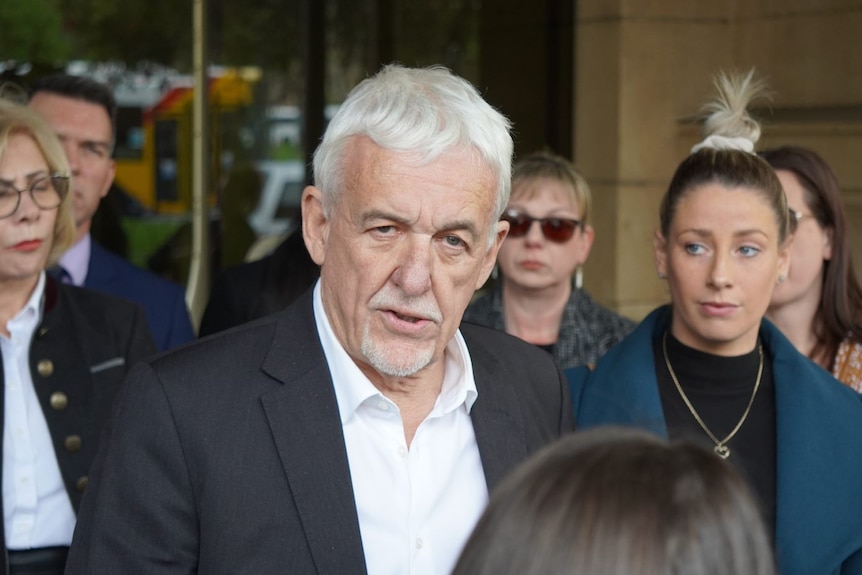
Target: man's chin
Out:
[397,361]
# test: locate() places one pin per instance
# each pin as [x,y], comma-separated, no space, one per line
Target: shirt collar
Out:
[76,260]
[29,316]
[352,388]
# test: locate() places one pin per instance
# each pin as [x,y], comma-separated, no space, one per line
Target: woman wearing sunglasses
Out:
[538,295]
[819,307]
[65,351]
[708,367]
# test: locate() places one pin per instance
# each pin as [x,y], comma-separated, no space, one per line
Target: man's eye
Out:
[93,151]
[454,241]
[7,191]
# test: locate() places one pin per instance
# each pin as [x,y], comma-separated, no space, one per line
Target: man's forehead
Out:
[67,112]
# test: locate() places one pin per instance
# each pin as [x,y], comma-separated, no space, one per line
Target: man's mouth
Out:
[407,318]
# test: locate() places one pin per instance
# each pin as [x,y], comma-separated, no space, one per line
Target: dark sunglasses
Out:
[559,230]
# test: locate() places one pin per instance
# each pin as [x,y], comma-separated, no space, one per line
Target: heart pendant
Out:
[723,451]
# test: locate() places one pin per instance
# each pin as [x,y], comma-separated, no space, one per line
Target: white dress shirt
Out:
[416,506]
[37,511]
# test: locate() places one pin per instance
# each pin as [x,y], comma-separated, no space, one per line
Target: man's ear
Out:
[491,257]
[659,247]
[315,225]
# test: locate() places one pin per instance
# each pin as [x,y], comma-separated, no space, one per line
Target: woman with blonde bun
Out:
[708,366]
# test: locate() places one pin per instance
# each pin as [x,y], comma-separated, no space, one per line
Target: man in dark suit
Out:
[361,429]
[82,112]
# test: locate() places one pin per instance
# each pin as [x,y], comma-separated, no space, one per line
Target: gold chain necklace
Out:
[721,447]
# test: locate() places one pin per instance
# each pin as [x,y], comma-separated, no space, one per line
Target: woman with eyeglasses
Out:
[538,295]
[65,351]
[708,367]
[819,307]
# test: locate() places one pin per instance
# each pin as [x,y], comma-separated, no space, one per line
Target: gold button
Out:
[81,484]
[73,443]
[45,367]
[59,400]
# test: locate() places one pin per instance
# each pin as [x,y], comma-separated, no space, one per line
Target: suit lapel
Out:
[497,420]
[305,423]
[100,272]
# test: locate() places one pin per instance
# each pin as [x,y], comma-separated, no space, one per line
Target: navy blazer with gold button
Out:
[79,355]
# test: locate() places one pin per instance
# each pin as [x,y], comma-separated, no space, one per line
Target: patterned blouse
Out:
[587,329]
[848,364]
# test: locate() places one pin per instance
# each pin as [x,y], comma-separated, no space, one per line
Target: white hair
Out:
[422,111]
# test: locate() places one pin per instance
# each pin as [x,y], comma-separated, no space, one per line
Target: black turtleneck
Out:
[720,388]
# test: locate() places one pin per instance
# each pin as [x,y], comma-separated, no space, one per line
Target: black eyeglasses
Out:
[559,230]
[47,193]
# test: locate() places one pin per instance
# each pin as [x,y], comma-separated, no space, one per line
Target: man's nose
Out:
[414,274]
[72,156]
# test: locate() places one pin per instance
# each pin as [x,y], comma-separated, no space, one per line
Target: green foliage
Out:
[131,31]
[146,235]
[266,33]
[32,32]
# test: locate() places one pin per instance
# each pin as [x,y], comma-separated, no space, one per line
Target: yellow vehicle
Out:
[154,132]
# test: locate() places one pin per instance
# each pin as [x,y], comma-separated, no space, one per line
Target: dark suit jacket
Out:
[252,290]
[818,528]
[164,302]
[228,456]
[79,355]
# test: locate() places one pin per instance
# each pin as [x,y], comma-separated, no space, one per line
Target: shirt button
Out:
[402,451]
[419,543]
[382,405]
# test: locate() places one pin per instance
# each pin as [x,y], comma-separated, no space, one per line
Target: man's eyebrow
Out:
[96,144]
[467,225]
[372,215]
[90,143]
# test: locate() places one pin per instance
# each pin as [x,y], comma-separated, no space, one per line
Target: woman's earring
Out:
[495,272]
[782,278]
[662,276]
[579,278]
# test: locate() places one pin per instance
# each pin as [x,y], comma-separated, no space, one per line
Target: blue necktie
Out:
[60,274]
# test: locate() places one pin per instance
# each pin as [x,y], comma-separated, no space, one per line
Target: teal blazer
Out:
[818,527]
